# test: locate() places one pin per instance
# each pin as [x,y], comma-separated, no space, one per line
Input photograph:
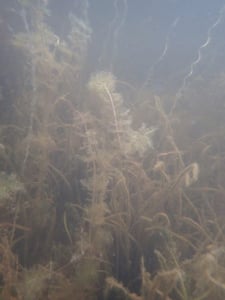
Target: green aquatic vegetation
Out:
[34,284]
[10,185]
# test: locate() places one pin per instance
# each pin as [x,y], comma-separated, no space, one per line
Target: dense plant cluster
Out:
[99,201]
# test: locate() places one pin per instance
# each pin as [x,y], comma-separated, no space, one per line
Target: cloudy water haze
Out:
[112,149]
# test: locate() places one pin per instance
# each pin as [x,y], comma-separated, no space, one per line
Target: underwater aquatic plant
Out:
[115,289]
[9,187]
[102,205]
[130,141]
[209,271]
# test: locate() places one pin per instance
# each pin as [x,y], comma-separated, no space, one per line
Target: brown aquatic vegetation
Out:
[91,197]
